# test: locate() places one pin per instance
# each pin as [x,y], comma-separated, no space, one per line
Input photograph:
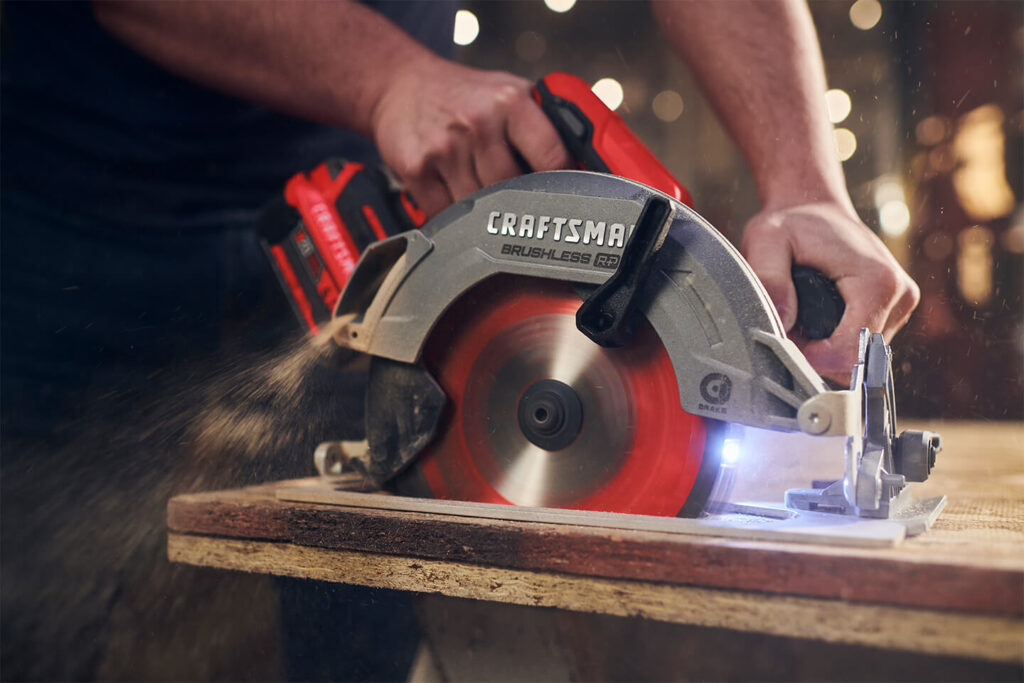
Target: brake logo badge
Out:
[716,389]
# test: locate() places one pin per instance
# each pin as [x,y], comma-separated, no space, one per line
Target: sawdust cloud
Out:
[273,405]
[85,572]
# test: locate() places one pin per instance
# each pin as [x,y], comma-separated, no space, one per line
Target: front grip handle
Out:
[820,306]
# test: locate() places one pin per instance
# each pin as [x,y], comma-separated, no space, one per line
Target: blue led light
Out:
[730,451]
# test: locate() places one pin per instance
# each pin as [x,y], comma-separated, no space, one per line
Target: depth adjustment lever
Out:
[608,316]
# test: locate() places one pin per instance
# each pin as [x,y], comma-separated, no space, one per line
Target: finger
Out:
[530,132]
[495,162]
[901,311]
[774,268]
[868,304]
[429,191]
[457,169]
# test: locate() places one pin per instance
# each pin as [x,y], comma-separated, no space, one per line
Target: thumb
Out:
[773,264]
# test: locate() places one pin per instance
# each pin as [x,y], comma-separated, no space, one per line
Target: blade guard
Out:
[729,351]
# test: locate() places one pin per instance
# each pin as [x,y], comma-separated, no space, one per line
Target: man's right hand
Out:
[448,130]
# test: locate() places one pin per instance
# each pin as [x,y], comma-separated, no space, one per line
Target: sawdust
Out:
[271,405]
[84,529]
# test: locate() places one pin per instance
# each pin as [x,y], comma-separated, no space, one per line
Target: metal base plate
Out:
[756,522]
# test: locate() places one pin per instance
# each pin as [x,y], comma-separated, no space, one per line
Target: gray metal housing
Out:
[731,357]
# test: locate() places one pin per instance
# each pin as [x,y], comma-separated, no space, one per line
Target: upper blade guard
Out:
[726,344]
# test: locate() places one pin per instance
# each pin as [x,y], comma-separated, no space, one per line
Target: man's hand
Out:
[829,237]
[760,65]
[449,130]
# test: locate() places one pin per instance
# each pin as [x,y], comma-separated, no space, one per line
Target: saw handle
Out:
[597,138]
[820,306]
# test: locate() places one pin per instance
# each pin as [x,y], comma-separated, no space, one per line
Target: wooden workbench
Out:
[956,591]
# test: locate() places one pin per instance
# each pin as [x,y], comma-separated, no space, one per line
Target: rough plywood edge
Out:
[918,630]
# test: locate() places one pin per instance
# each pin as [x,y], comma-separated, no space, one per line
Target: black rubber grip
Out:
[820,307]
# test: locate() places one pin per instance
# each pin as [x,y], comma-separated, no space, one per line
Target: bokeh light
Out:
[865,14]
[610,92]
[838,103]
[667,105]
[894,217]
[560,5]
[467,27]
[932,130]
[846,143]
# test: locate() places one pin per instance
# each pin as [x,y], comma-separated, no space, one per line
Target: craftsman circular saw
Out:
[580,339]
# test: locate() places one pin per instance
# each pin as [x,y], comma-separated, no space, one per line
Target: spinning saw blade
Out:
[540,415]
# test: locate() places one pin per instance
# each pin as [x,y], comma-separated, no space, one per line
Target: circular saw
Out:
[582,340]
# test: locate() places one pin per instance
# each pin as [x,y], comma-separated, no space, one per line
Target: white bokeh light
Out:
[838,103]
[467,27]
[894,218]
[610,92]
[865,14]
[560,5]
[846,143]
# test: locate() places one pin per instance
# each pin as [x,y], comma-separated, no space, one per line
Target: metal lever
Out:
[607,316]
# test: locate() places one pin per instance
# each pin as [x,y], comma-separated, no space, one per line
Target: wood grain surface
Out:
[958,589]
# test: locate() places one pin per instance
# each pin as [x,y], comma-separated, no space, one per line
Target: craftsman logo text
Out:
[558,229]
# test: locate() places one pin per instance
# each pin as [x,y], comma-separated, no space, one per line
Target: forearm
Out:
[759,63]
[324,61]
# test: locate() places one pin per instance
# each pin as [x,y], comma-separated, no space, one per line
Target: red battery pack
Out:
[315,232]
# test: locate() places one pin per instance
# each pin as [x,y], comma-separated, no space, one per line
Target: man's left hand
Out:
[830,237]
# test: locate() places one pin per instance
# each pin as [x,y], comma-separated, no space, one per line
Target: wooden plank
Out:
[920,575]
[775,524]
[957,590]
[929,631]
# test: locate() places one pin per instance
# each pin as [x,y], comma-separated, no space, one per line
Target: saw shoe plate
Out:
[518,373]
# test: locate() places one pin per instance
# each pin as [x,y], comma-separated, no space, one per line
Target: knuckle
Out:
[913,294]
[508,94]
[887,279]
[436,149]
[551,157]
[472,120]
[405,168]
[412,166]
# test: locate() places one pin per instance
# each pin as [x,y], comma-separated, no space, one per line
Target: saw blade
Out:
[540,415]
